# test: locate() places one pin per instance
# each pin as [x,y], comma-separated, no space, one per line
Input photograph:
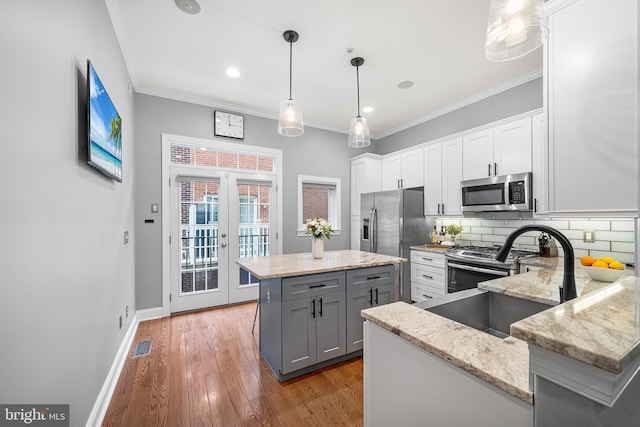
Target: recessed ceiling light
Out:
[233,72]
[188,6]
[405,84]
[367,109]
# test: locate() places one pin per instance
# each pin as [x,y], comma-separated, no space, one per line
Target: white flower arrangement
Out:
[319,228]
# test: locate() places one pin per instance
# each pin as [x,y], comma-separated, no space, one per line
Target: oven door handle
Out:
[478,269]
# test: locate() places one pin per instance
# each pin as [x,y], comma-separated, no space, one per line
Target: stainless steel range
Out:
[469,265]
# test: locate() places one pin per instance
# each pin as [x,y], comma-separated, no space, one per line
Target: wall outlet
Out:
[589,236]
[154,208]
[126,312]
[126,237]
[120,321]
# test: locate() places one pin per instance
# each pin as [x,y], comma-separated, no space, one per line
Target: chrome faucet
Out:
[568,288]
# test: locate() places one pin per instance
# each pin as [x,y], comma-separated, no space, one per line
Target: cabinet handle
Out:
[376,296]
[443,209]
[398,183]
[428,277]
[401,182]
[438,208]
[322,285]
[489,171]
[371,296]
[427,259]
[373,278]
[427,296]
[535,205]
[495,169]
[313,308]
[320,307]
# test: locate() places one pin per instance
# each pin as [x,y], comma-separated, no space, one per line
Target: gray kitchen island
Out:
[310,308]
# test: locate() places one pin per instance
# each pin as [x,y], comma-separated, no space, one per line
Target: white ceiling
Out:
[437,44]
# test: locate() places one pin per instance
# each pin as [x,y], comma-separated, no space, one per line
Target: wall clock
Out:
[228,124]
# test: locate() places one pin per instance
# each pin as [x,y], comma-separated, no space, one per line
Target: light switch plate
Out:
[589,236]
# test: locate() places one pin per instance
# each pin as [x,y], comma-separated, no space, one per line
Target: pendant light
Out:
[359,129]
[515,28]
[290,121]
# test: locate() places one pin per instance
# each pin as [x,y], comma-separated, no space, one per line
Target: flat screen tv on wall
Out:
[104,128]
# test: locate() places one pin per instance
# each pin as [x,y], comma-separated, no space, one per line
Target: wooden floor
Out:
[205,370]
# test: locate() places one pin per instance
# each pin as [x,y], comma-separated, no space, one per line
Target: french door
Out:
[217,217]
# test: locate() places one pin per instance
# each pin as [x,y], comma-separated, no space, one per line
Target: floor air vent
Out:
[143,348]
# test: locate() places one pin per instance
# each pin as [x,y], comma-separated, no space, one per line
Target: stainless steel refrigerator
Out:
[390,222]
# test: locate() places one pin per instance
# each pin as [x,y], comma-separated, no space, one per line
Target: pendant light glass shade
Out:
[290,119]
[359,133]
[515,28]
[359,128]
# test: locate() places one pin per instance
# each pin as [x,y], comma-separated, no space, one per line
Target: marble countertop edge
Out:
[506,369]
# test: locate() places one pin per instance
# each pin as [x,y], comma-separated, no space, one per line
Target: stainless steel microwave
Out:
[497,193]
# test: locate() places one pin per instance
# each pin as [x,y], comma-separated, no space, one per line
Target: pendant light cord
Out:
[290,65]
[358,85]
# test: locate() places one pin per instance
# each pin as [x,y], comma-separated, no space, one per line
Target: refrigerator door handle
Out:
[374,230]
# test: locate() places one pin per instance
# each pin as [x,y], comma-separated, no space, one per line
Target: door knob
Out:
[223,245]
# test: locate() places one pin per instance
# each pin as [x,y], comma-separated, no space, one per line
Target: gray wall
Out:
[316,152]
[520,99]
[65,274]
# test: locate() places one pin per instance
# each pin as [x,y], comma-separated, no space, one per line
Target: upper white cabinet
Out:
[592,99]
[502,150]
[539,160]
[365,178]
[443,173]
[403,170]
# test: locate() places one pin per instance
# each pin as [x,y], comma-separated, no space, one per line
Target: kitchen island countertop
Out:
[598,330]
[272,266]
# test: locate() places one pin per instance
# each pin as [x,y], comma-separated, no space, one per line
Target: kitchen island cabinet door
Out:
[298,334]
[331,326]
[358,300]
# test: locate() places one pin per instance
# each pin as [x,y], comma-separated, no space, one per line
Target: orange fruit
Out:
[600,264]
[587,260]
[606,259]
[617,265]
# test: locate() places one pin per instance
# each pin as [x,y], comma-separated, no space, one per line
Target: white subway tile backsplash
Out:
[494,223]
[623,247]
[615,236]
[622,225]
[602,245]
[590,225]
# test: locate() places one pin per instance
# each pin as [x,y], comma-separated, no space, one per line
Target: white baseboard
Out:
[104,397]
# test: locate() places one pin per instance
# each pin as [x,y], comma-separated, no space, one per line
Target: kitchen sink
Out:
[484,310]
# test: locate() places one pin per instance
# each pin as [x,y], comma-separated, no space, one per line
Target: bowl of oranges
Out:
[605,269]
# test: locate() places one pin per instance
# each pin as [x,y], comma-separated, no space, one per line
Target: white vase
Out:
[317,248]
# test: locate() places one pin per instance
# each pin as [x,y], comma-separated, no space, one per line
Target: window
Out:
[318,197]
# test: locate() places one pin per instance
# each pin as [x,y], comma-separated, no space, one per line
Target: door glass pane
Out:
[253,225]
[199,236]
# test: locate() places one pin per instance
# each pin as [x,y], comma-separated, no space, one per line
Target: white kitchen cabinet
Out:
[502,150]
[428,277]
[403,170]
[592,100]
[366,171]
[443,173]
[539,163]
[366,177]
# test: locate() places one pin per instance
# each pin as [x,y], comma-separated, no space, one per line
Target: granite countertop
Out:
[501,362]
[430,248]
[601,327]
[268,267]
